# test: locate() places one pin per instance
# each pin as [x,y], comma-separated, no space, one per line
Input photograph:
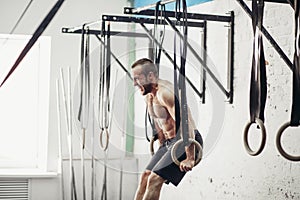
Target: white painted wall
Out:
[228,172]
[65,53]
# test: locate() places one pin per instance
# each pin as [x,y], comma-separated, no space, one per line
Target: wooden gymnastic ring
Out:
[104,147]
[263,140]
[152,146]
[191,141]
[279,146]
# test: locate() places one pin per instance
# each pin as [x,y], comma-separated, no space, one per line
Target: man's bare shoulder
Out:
[165,92]
[165,85]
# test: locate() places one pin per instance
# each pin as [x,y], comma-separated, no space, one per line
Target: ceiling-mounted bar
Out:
[137,10]
[199,59]
[85,24]
[99,32]
[195,16]
[268,36]
[114,18]
[169,57]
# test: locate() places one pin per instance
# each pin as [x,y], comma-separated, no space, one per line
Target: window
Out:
[24,104]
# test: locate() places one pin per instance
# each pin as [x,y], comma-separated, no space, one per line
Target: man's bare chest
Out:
[156,110]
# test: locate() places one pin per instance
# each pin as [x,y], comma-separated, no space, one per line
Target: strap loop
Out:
[191,141]
[279,146]
[181,107]
[263,139]
[295,110]
[258,82]
[105,132]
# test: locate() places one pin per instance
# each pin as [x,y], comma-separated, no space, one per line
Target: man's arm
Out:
[189,162]
[159,131]
[167,98]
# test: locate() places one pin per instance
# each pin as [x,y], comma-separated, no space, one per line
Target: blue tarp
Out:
[170,6]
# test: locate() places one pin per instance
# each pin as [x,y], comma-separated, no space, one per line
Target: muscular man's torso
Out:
[162,117]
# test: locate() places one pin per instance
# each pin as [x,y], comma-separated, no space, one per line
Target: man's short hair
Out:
[147,66]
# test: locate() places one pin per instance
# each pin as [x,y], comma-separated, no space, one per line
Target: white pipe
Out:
[60,139]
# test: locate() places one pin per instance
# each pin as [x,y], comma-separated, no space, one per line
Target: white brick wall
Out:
[228,172]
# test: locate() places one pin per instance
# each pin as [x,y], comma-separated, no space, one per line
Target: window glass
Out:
[24,102]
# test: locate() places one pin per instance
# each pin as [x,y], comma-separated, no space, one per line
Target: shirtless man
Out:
[159,97]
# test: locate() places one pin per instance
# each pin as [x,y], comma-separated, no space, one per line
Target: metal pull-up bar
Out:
[196,16]
[170,58]
[143,21]
[99,32]
[199,58]
[127,19]
[88,24]
[167,13]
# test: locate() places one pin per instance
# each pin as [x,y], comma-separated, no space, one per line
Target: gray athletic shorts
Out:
[162,164]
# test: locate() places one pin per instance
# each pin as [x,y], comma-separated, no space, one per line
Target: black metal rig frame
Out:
[266,33]
[202,17]
[172,23]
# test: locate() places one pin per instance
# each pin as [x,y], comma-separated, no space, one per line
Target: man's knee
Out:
[155,180]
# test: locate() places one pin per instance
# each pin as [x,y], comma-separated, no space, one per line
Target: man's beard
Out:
[147,88]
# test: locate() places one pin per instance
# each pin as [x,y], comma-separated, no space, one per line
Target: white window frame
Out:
[42,49]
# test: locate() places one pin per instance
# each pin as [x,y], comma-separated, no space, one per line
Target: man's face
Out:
[141,81]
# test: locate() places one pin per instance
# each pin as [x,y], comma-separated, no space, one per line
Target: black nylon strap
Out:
[157,55]
[258,83]
[34,38]
[295,114]
[176,92]
[105,73]
[106,77]
[182,85]
[86,78]
[82,50]
[108,66]
[83,113]
[155,29]
[101,77]
[157,48]
[146,125]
